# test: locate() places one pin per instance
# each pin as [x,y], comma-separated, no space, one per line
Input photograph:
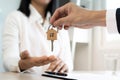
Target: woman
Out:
[25,44]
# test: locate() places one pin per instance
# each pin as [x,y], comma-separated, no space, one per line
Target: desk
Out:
[81,75]
[22,76]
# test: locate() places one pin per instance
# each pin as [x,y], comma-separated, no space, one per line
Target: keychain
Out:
[52,35]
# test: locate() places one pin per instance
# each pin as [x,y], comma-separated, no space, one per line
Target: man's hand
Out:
[72,15]
[58,66]
[27,62]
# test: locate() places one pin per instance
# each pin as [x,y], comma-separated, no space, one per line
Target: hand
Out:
[58,66]
[72,15]
[27,62]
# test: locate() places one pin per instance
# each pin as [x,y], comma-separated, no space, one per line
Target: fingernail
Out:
[66,28]
[61,71]
[55,71]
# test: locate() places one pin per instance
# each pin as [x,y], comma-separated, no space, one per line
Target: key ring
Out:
[49,26]
[52,27]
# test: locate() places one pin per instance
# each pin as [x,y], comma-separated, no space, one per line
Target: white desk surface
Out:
[80,75]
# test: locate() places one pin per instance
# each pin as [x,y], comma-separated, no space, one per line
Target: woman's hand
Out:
[58,66]
[27,62]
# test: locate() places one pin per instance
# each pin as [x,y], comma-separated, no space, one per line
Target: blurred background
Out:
[92,50]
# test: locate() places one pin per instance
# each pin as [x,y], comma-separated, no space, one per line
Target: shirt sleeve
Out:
[111,21]
[11,44]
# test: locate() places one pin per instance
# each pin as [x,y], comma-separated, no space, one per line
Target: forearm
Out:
[98,18]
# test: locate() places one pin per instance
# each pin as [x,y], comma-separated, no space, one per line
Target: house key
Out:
[51,35]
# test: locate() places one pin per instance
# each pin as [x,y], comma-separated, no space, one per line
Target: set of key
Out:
[52,35]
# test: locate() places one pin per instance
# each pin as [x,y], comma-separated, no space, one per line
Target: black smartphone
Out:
[56,73]
[58,77]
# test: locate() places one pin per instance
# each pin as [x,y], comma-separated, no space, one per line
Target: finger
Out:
[57,14]
[24,55]
[66,27]
[54,65]
[64,69]
[59,66]
[62,21]
[60,27]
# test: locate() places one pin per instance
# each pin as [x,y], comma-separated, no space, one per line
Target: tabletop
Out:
[22,76]
[80,75]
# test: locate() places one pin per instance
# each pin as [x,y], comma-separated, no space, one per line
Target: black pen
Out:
[56,73]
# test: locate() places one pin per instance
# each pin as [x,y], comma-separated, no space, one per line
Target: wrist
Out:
[98,18]
[23,65]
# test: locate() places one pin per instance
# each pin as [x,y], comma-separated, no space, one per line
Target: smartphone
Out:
[58,77]
[56,73]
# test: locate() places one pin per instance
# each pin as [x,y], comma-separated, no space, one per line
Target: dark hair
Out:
[24,7]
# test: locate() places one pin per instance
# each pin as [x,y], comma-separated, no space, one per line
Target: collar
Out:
[35,16]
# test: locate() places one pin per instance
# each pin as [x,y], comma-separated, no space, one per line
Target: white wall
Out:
[6,6]
[89,56]
[81,57]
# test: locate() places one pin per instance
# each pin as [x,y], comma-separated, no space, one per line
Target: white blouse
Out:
[27,33]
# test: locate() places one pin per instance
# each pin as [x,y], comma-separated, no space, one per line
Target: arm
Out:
[28,62]
[11,45]
[72,15]
[13,60]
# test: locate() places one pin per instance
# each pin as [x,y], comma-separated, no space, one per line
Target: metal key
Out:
[51,35]
[52,46]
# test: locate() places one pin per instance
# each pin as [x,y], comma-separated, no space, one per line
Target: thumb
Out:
[24,55]
[62,21]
